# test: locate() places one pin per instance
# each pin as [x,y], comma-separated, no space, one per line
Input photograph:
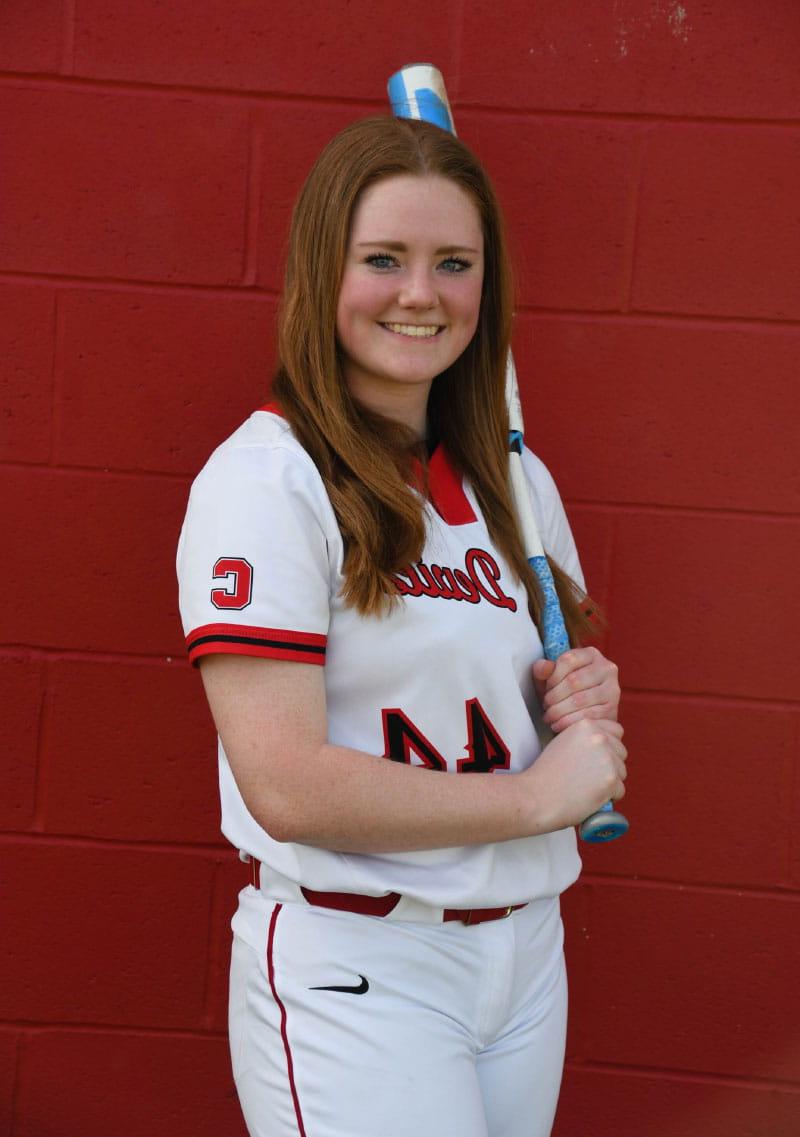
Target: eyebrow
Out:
[399,247]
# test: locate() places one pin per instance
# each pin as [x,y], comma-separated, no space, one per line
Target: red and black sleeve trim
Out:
[269,643]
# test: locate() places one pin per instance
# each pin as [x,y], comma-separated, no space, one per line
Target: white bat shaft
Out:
[520,490]
[513,402]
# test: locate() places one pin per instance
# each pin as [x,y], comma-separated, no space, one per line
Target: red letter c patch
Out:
[238,576]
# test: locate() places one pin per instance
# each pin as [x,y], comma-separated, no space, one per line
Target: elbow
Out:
[281,799]
[283,829]
[283,818]
[276,820]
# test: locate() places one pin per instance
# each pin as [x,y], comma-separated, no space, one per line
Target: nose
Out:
[418,289]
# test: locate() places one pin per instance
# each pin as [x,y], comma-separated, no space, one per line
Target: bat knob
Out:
[605,825]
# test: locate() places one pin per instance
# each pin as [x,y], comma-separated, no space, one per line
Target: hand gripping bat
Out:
[418,91]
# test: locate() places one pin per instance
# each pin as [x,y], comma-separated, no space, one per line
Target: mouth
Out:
[414,331]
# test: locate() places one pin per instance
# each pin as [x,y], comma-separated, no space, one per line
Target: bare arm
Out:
[271,717]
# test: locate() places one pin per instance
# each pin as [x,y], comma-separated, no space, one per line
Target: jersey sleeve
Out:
[551,517]
[253,561]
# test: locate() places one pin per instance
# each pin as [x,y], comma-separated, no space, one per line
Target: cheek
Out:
[359,296]
[358,304]
[344,315]
[470,307]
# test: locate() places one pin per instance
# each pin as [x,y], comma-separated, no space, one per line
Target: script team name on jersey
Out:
[478,580]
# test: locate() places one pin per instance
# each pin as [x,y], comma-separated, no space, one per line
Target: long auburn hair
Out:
[365,459]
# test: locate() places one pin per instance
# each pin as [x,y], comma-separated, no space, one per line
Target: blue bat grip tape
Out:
[554,632]
[431,107]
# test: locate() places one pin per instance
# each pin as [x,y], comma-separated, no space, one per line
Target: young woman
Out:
[354,588]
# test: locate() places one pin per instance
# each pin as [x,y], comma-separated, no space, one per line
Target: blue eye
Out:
[456,264]
[381,260]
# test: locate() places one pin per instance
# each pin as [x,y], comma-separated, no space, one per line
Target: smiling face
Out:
[410,292]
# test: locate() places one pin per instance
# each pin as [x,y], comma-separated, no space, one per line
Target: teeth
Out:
[418,330]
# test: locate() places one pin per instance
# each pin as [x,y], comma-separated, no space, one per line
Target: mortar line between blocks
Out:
[252,208]
[68,43]
[668,1073]
[632,237]
[371,104]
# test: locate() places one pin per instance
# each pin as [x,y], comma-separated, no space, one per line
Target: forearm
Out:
[273,725]
[346,800]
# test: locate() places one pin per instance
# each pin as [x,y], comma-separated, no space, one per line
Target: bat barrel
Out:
[417,91]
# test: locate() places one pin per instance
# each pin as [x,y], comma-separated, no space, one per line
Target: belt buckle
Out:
[501,915]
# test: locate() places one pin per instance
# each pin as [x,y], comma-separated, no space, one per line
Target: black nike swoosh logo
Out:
[359,989]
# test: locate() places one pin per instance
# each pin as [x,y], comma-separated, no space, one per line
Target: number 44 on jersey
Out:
[485,749]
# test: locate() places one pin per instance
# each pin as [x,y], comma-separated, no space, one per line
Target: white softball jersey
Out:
[443,680]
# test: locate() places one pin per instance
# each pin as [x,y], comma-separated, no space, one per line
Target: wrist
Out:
[538,811]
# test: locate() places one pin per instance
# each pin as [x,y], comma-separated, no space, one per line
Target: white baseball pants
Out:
[437,1030]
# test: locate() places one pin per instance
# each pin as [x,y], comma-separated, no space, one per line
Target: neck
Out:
[406,405]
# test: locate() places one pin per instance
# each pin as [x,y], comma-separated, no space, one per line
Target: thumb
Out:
[542,670]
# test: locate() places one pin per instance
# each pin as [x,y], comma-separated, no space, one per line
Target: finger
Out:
[609,727]
[542,670]
[596,727]
[619,754]
[558,722]
[597,696]
[576,679]
[620,751]
[580,679]
[570,660]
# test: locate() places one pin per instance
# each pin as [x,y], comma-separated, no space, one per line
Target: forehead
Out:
[411,205]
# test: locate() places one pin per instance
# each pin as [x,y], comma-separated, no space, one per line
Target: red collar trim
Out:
[446,489]
[445,483]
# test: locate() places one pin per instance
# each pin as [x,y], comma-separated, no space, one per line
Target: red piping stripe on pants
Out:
[287,1048]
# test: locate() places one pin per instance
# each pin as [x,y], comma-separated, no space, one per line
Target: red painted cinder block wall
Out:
[648,155]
